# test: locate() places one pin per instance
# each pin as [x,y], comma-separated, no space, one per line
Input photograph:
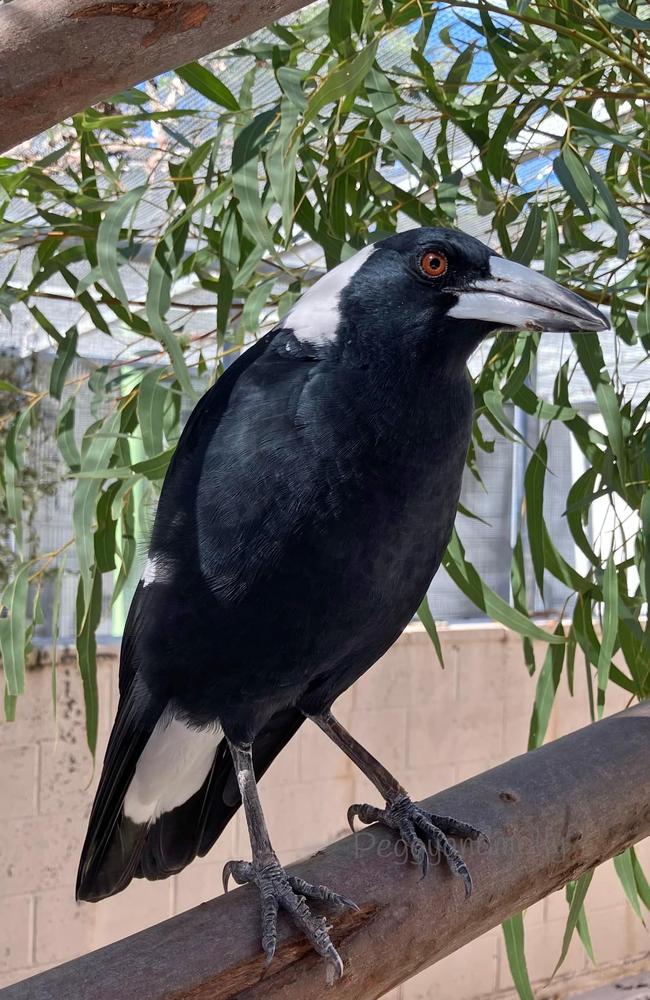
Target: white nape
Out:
[316,315]
[155,571]
[172,767]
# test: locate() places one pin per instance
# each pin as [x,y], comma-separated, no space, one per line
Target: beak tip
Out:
[599,322]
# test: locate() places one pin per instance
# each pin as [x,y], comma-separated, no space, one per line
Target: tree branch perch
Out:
[551,815]
[60,56]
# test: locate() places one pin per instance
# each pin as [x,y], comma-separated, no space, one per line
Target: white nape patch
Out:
[172,767]
[316,315]
[155,571]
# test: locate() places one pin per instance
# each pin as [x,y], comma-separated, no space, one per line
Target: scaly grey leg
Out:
[417,828]
[276,888]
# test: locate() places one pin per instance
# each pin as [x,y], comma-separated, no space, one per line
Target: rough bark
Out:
[551,815]
[60,56]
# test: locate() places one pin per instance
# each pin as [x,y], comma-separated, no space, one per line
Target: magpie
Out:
[303,516]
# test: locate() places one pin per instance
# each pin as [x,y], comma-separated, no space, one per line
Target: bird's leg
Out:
[277,888]
[417,827]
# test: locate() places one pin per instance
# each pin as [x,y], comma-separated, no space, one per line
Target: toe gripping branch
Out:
[279,889]
[422,832]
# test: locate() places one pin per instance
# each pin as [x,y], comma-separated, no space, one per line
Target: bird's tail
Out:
[166,794]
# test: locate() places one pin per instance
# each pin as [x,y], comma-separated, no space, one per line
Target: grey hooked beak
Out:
[517,297]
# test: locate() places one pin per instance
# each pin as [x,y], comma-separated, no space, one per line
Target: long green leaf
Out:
[13,474]
[547,685]
[99,442]
[57,591]
[65,433]
[625,871]
[425,616]
[108,237]
[202,80]
[343,81]
[13,625]
[529,240]
[534,491]
[513,933]
[89,609]
[164,266]
[577,895]
[65,355]
[385,104]
[156,467]
[151,404]
[464,575]
[245,176]
[551,245]
[642,886]
[610,630]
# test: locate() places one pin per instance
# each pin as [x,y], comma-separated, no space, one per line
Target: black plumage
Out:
[305,512]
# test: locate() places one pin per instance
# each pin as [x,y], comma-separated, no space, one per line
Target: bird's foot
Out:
[278,889]
[421,830]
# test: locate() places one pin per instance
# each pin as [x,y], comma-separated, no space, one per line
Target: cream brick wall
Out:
[432,727]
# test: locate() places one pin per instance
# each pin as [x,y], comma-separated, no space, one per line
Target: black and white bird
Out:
[305,512]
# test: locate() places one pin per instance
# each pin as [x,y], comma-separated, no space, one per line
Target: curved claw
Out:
[335,962]
[226,875]
[353,811]
[238,870]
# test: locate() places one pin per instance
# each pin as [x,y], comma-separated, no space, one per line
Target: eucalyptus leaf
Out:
[13,626]
[108,236]
[202,80]
[513,934]
[576,911]
[344,81]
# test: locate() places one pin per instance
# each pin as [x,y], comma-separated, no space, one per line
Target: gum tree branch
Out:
[60,56]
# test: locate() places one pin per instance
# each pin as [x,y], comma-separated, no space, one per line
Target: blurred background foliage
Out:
[185,216]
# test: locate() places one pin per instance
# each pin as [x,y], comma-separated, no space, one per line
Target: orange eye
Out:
[433,263]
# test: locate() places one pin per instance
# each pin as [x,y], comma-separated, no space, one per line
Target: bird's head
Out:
[433,286]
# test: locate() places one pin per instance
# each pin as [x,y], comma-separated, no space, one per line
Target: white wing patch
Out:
[172,767]
[316,315]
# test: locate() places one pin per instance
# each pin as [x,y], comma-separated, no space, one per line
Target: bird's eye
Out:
[433,263]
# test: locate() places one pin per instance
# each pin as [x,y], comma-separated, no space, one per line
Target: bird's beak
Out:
[517,297]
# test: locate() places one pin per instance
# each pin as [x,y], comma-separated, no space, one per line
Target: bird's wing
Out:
[167,790]
[111,850]
[190,830]
[118,847]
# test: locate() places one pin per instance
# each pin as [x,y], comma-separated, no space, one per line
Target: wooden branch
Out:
[551,815]
[60,56]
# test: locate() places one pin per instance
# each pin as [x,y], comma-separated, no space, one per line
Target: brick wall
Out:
[432,727]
